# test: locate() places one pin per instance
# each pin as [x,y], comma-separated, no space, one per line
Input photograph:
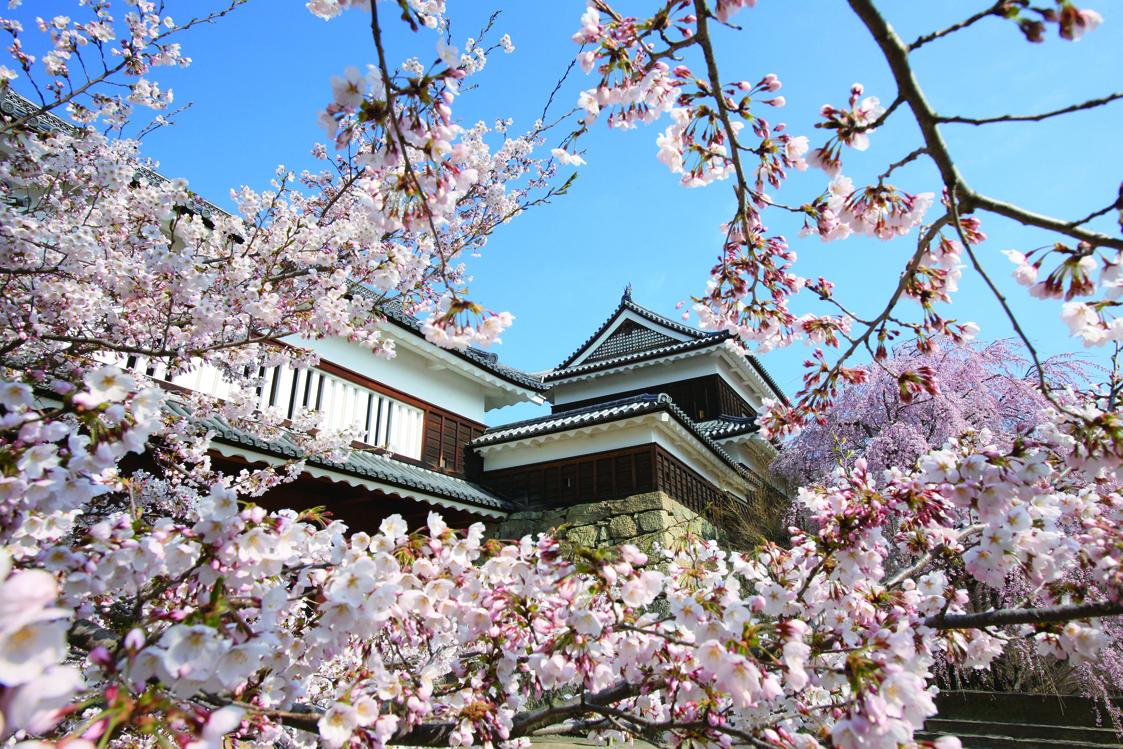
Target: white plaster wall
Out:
[408,372]
[569,447]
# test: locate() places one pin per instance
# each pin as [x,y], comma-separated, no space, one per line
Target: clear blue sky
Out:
[260,75]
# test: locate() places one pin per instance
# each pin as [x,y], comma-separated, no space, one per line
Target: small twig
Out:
[995,10]
[557,88]
[1032,117]
[911,157]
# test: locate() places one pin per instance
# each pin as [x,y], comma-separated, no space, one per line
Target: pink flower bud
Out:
[777,101]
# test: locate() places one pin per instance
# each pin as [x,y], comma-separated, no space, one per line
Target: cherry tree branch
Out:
[897,55]
[1041,615]
[910,158]
[17,125]
[1033,117]
[438,734]
[995,10]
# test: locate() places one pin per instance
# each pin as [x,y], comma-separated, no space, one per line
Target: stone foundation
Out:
[642,519]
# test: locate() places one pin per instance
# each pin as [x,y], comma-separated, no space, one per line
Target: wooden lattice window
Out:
[629,338]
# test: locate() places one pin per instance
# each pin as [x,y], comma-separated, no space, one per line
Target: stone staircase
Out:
[1005,720]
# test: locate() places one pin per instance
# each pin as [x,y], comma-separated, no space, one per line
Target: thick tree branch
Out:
[897,55]
[85,635]
[438,734]
[1042,615]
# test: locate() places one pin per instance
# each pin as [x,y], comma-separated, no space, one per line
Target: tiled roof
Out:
[489,361]
[15,106]
[626,303]
[366,465]
[728,426]
[677,347]
[599,414]
[699,339]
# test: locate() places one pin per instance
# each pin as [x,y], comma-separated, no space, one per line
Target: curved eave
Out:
[749,438]
[229,450]
[513,392]
[747,366]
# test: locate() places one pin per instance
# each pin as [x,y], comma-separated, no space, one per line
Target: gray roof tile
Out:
[367,465]
[728,426]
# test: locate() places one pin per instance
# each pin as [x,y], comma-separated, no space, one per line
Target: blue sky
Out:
[260,75]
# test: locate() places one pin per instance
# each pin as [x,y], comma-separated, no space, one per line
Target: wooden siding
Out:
[684,484]
[446,442]
[700,398]
[614,474]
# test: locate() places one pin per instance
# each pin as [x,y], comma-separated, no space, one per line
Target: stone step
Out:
[1023,731]
[1010,707]
[1006,742]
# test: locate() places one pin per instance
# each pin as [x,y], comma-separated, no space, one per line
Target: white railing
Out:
[384,421]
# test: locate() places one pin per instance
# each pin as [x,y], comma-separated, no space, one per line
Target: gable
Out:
[672,330]
[629,338]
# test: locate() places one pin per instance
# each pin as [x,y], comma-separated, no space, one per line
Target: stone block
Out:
[585,535]
[589,513]
[525,515]
[653,520]
[638,503]
[517,529]
[554,519]
[622,526]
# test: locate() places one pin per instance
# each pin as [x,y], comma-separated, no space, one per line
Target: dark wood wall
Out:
[446,440]
[700,398]
[614,474]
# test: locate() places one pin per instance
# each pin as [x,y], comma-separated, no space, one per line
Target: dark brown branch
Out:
[305,718]
[897,55]
[1029,218]
[85,635]
[1042,615]
[1117,205]
[995,10]
[527,723]
[910,158]
[1033,117]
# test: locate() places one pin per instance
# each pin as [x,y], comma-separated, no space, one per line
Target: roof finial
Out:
[627,294]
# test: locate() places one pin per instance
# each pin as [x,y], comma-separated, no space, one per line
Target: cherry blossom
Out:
[169,603]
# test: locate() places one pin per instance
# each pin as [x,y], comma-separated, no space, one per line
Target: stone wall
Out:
[642,519]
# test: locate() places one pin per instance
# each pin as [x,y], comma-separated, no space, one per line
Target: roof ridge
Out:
[664,320]
[676,347]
